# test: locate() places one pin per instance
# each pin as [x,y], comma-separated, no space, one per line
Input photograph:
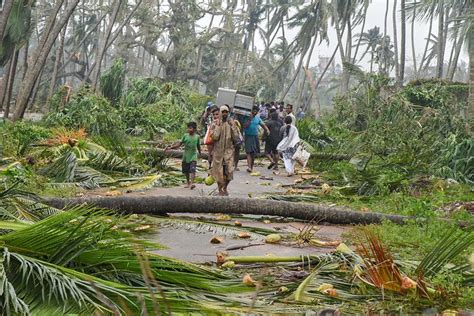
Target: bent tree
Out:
[51,31]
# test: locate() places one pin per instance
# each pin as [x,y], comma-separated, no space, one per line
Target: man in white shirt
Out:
[289,112]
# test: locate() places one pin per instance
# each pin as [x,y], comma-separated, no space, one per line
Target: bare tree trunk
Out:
[453,49]
[470,109]
[160,205]
[341,48]
[25,59]
[395,42]
[78,46]
[425,51]
[310,53]
[415,71]
[59,57]
[347,57]
[199,58]
[47,40]
[457,52]
[4,83]
[403,42]
[360,36]
[297,71]
[384,31]
[439,65]
[11,80]
[4,14]
[103,43]
[116,33]
[34,92]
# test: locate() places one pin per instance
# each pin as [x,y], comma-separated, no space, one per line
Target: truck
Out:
[240,102]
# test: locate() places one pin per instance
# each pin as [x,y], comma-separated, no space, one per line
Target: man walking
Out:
[224,133]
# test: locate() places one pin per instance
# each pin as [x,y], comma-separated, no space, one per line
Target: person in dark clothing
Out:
[274,125]
[252,143]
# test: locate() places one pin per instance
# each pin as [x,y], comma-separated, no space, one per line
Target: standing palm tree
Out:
[470,38]
[402,42]
[372,38]
[312,21]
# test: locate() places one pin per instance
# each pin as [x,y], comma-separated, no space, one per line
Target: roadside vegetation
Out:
[381,150]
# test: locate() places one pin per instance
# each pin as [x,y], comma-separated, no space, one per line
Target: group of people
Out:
[225,134]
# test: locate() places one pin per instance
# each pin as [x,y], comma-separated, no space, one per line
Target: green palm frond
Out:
[19,205]
[139,183]
[201,226]
[90,178]
[449,246]
[63,168]
[108,161]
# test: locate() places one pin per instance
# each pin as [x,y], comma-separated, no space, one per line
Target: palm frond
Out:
[139,183]
[63,168]
[202,226]
[449,246]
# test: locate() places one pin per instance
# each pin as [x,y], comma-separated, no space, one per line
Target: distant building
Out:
[324,61]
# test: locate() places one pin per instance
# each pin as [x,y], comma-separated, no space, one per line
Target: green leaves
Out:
[450,245]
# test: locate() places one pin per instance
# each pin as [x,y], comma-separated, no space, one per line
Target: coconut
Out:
[272,238]
[228,264]
[247,280]
[326,189]
[209,180]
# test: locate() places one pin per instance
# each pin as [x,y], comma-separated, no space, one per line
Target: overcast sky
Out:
[375,17]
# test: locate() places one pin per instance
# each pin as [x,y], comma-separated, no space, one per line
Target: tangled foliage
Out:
[153,106]
[17,138]
[394,135]
[148,106]
[111,83]
[89,111]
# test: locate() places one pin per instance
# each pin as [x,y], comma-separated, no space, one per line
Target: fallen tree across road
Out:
[161,205]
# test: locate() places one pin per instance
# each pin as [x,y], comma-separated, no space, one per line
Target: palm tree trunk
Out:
[199,57]
[4,14]
[453,49]
[425,51]
[415,71]
[4,84]
[103,44]
[10,81]
[457,52]
[360,37]
[341,48]
[439,64]
[25,59]
[348,51]
[387,6]
[297,71]
[57,62]
[161,205]
[310,53]
[395,41]
[470,109]
[403,42]
[52,29]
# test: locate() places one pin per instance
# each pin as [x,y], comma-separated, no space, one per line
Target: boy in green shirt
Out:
[192,146]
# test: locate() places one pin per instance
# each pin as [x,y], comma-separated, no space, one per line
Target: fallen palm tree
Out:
[204,155]
[177,153]
[161,205]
